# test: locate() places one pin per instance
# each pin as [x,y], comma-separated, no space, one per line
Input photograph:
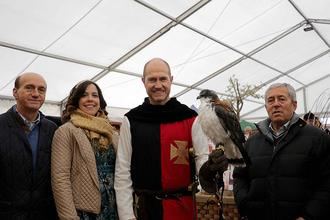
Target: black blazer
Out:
[24,195]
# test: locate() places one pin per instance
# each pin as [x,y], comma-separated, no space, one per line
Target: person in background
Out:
[289,176]
[153,153]
[311,119]
[83,157]
[25,145]
[248,132]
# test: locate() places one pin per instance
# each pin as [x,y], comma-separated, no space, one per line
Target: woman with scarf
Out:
[83,158]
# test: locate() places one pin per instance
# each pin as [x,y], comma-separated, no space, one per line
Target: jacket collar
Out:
[263,126]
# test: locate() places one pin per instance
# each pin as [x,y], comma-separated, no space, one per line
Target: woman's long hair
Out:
[75,94]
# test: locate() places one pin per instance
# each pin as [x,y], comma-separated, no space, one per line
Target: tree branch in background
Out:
[239,92]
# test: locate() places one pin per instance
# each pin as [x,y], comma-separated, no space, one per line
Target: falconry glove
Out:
[215,165]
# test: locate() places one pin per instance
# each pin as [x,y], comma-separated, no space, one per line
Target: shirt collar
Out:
[285,126]
[29,124]
[281,130]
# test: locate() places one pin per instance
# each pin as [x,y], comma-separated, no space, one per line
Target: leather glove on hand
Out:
[217,163]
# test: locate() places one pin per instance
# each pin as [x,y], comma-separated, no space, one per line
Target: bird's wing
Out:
[230,122]
[210,125]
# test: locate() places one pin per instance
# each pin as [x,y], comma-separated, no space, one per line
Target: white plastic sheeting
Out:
[205,42]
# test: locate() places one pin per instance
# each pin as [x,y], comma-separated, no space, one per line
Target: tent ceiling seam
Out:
[270,42]
[309,22]
[219,42]
[153,37]
[149,40]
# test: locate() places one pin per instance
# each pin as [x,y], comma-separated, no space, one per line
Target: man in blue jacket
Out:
[25,142]
[289,176]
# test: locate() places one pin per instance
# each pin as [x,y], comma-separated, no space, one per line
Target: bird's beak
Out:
[198,97]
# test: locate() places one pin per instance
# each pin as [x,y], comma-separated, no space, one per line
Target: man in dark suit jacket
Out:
[25,147]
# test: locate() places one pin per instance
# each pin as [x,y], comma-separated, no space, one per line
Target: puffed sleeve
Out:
[200,144]
[123,181]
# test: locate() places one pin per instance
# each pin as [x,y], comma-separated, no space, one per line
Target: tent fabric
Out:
[260,42]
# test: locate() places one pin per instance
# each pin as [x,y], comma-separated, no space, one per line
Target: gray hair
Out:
[291,91]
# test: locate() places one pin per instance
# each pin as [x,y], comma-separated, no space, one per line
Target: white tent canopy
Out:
[205,42]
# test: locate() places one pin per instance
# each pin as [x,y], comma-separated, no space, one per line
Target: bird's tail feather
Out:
[237,162]
[234,155]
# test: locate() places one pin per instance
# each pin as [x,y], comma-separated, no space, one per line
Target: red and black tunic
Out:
[161,138]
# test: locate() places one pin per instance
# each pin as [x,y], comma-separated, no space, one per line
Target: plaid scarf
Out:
[97,128]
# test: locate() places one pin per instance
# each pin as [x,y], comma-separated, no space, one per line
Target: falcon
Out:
[220,124]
